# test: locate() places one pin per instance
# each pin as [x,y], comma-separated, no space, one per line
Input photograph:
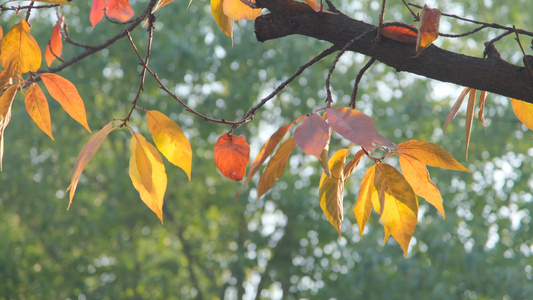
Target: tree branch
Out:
[493,74]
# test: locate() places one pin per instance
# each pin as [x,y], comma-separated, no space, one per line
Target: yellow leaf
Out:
[431,154]
[147,172]
[161,3]
[170,140]
[400,207]
[275,167]
[428,31]
[352,164]
[363,205]
[223,21]
[469,118]
[524,112]
[418,178]
[37,108]
[5,80]
[237,10]
[85,156]
[331,190]
[19,51]
[67,95]
[6,102]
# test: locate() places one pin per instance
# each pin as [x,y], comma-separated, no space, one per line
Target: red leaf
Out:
[400,33]
[312,135]
[232,154]
[54,47]
[97,11]
[119,9]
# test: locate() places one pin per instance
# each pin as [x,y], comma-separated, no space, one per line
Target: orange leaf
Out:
[428,30]
[431,155]
[275,167]
[363,205]
[85,156]
[523,111]
[469,118]
[416,174]
[237,10]
[352,164]
[265,152]
[232,154]
[170,140]
[67,95]
[400,33]
[481,113]
[318,7]
[6,102]
[119,9]
[161,3]
[331,190]
[54,47]
[456,107]
[97,11]
[312,135]
[20,52]
[5,80]
[400,207]
[37,107]
[224,22]
[147,173]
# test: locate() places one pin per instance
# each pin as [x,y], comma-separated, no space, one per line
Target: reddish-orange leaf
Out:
[6,102]
[481,113]
[119,9]
[147,173]
[5,80]
[85,156]
[469,118]
[523,111]
[54,47]
[428,29]
[37,107]
[161,3]
[399,204]
[331,189]
[352,164]
[312,135]
[236,10]
[416,174]
[97,11]
[402,34]
[232,154]
[456,107]
[431,155]
[318,7]
[20,52]
[67,95]
[265,152]
[363,205]
[224,22]
[275,167]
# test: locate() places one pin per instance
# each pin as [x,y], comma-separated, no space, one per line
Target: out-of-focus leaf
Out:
[363,205]
[275,167]
[312,135]
[469,118]
[523,111]
[37,107]
[232,154]
[67,95]
[481,113]
[224,22]
[20,52]
[147,173]
[97,11]
[170,140]
[352,164]
[400,207]
[119,10]
[431,155]
[86,154]
[6,102]
[456,107]
[416,174]
[331,190]
[236,10]
[161,3]
[400,33]
[54,47]
[428,29]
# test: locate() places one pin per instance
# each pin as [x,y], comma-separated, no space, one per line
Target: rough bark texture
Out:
[493,74]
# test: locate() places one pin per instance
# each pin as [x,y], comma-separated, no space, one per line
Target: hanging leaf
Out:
[19,52]
[275,168]
[147,172]
[67,95]
[162,3]
[417,175]
[456,107]
[404,34]
[54,47]
[97,11]
[481,113]
[237,10]
[331,190]
[352,164]
[363,205]
[119,10]
[232,154]
[523,111]
[170,140]
[224,22]
[312,135]
[399,205]
[428,30]
[37,108]
[86,154]
[5,80]
[469,118]
[6,102]
[431,155]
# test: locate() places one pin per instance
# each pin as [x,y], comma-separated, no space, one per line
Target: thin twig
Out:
[353,101]
[380,24]
[17,8]
[416,16]
[463,34]
[526,60]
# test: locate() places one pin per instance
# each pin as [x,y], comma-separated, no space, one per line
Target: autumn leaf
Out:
[67,95]
[170,140]
[523,111]
[20,52]
[416,174]
[352,164]
[237,10]
[54,47]
[86,154]
[399,205]
[265,152]
[97,11]
[275,168]
[232,154]
[312,135]
[37,108]
[224,22]
[469,118]
[363,205]
[6,102]
[160,4]
[456,107]
[331,190]
[481,113]
[404,34]
[119,10]
[5,80]
[318,7]
[431,155]
[428,29]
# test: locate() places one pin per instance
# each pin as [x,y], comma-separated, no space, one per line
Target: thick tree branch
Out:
[493,74]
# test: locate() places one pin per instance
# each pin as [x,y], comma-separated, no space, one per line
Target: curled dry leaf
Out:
[456,107]
[469,118]
[6,102]
[428,29]
[232,155]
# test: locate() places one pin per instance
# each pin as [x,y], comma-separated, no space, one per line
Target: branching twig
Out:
[353,100]
[416,16]
[463,34]
[526,60]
